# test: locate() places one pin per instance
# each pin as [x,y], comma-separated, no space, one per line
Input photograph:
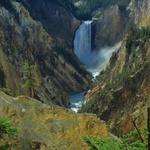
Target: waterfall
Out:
[82,42]
[94,60]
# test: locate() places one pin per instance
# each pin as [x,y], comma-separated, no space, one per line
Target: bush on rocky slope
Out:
[6,127]
[130,141]
[7,131]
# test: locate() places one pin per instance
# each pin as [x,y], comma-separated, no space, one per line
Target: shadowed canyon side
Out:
[51,15]
[25,43]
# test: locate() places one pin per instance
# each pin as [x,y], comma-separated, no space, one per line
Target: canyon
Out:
[73,68]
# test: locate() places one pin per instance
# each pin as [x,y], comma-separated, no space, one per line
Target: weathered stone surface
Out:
[140,12]
[108,26]
[48,127]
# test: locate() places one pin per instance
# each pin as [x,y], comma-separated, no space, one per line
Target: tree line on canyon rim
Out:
[85,9]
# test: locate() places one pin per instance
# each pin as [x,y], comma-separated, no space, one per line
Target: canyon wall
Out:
[120,95]
[31,43]
[109,26]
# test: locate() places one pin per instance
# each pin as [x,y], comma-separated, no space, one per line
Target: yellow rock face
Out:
[48,127]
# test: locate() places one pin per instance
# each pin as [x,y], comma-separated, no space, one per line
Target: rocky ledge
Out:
[48,127]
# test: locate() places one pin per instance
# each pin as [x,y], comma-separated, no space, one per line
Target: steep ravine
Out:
[93,60]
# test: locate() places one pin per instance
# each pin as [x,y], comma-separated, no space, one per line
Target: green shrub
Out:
[4,147]
[102,144]
[133,141]
[130,141]
[6,127]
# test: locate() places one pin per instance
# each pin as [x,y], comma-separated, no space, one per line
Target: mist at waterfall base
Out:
[100,59]
[94,60]
[76,101]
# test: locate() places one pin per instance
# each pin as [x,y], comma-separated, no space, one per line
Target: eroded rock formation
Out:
[46,127]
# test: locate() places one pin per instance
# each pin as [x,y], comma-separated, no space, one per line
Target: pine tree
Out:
[31,78]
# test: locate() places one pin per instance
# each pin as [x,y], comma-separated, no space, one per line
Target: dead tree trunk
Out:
[138,131]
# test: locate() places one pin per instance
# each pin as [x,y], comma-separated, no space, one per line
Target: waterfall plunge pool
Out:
[76,100]
[94,60]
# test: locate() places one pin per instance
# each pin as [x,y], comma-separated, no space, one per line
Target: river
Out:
[94,60]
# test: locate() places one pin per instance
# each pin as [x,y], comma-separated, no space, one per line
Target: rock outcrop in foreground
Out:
[48,127]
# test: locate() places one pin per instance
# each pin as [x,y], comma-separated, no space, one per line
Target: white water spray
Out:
[101,59]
